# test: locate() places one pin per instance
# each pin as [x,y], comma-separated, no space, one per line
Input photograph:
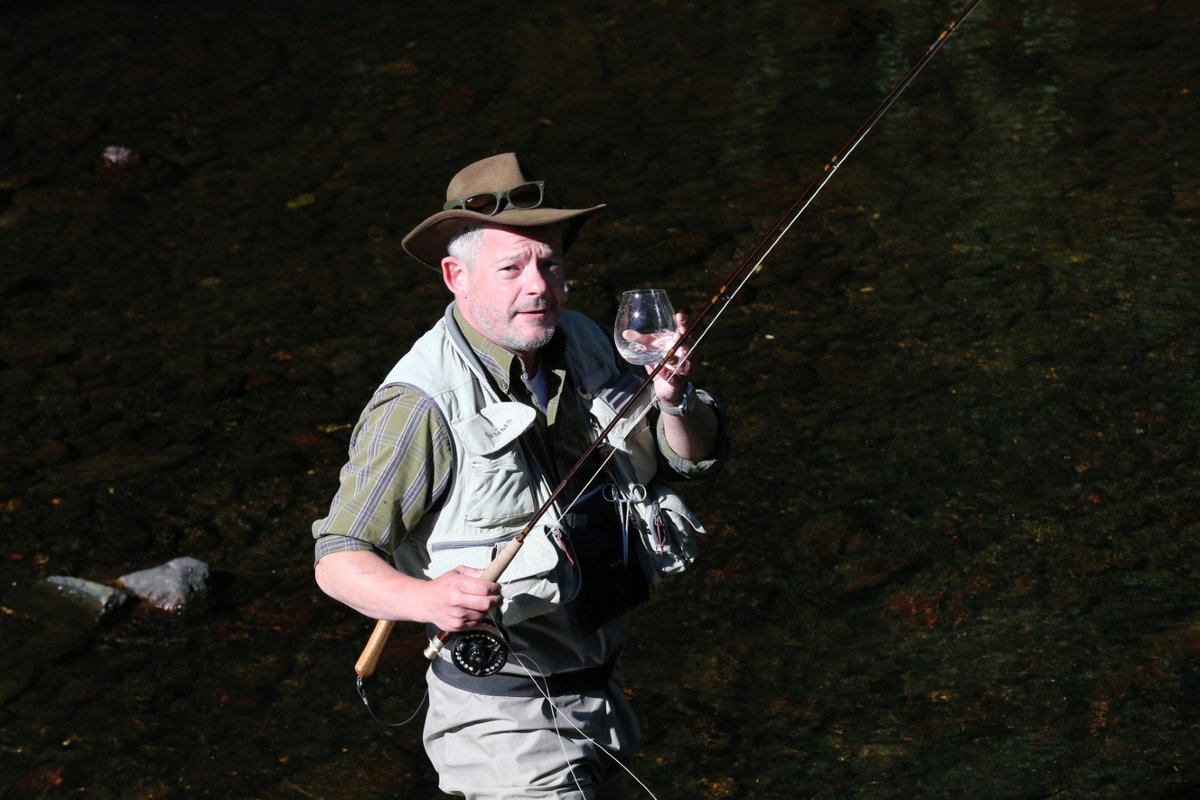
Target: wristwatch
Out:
[686,403]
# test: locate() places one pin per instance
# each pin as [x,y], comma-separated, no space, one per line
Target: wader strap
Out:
[502,684]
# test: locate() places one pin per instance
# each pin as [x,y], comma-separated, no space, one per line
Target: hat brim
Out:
[427,242]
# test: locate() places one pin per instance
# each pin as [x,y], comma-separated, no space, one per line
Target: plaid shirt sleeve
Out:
[399,466]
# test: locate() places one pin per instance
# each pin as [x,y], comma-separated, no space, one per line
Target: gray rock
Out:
[96,598]
[173,586]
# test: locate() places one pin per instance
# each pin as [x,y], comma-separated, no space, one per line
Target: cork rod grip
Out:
[502,560]
[365,666]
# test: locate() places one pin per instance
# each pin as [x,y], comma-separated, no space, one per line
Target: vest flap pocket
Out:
[617,394]
[495,427]
[537,557]
[612,398]
[668,532]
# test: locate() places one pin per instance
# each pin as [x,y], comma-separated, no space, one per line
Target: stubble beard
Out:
[498,325]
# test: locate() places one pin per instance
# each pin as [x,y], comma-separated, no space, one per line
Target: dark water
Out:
[956,552]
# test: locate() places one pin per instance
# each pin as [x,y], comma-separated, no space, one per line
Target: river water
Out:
[955,553]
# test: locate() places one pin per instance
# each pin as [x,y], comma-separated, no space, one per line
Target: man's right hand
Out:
[373,587]
[460,599]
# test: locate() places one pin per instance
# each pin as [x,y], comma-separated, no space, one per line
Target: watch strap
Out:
[686,403]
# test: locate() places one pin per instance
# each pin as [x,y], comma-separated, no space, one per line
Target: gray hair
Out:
[465,244]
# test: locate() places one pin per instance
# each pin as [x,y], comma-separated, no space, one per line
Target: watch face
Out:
[688,399]
[685,403]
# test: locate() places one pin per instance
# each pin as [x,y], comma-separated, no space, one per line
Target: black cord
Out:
[362,693]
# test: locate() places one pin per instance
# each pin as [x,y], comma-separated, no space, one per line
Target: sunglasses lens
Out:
[527,195]
[481,203]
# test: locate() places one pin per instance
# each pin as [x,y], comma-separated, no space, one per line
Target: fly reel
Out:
[480,651]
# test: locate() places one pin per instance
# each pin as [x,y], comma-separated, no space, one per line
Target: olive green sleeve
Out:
[399,465]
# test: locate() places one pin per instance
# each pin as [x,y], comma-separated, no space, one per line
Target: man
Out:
[463,442]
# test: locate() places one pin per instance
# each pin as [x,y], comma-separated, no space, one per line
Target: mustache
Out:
[543,304]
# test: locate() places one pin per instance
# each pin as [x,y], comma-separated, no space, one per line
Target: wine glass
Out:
[645,326]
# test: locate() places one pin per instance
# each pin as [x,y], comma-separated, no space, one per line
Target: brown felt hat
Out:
[494,175]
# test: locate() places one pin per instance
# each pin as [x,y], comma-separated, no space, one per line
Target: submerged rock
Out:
[98,599]
[172,586]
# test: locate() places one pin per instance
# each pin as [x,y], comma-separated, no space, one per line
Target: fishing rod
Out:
[746,268]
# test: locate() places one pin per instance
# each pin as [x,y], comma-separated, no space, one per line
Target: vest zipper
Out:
[463,544]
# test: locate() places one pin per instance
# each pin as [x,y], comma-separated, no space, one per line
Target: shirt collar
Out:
[504,366]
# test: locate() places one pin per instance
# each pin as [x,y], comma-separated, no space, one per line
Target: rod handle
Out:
[492,573]
[365,666]
[502,560]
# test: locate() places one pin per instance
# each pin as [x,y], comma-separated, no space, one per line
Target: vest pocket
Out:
[633,434]
[499,491]
[668,532]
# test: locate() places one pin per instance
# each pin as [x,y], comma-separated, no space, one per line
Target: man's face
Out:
[514,292]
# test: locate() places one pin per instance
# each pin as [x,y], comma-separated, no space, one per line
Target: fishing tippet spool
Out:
[480,651]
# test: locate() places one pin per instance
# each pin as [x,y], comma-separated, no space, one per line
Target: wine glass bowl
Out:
[645,327]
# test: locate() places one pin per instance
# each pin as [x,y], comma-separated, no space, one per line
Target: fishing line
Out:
[767,244]
[544,691]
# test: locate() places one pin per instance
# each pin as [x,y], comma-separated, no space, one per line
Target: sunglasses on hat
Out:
[526,196]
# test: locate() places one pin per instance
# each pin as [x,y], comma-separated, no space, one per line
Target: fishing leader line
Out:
[558,713]
[754,262]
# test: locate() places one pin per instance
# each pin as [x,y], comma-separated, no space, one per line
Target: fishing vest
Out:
[498,485]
